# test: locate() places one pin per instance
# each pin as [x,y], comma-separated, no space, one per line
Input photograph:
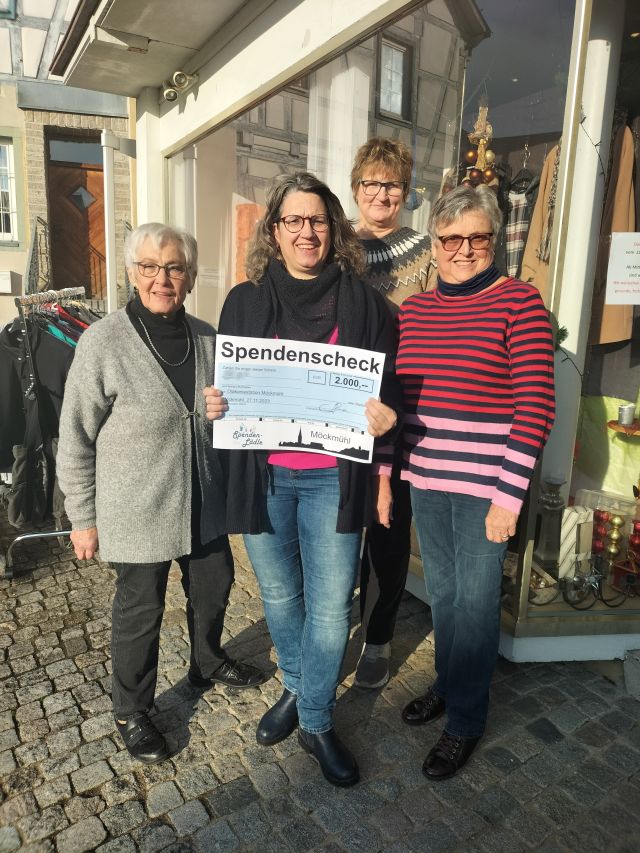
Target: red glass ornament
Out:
[601,516]
[636,526]
[634,541]
[475,176]
[597,546]
[600,530]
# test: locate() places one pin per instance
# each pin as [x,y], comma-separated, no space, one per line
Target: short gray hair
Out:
[465,199]
[160,235]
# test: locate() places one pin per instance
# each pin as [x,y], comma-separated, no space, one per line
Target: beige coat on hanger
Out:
[611,323]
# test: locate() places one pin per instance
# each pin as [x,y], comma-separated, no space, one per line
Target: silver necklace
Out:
[169,363]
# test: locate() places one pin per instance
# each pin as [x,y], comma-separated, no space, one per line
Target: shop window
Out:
[8,207]
[394,87]
[8,9]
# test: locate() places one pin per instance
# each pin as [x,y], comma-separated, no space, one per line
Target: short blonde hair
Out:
[389,155]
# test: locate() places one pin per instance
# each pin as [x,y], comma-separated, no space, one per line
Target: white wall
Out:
[279,45]
[14,259]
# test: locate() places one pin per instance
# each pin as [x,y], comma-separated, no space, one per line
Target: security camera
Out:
[169,93]
[181,80]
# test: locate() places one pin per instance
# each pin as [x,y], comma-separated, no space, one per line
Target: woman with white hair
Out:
[142,481]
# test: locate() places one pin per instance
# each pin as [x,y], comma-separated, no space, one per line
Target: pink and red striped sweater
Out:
[477,375]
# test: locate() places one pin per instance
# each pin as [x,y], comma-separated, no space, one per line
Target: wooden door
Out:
[76,219]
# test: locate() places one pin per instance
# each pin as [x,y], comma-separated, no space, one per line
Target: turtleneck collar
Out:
[473,285]
[157,321]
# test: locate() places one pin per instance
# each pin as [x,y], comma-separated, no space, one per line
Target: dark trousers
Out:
[138,607]
[384,567]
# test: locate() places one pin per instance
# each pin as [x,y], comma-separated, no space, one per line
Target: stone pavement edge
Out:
[558,770]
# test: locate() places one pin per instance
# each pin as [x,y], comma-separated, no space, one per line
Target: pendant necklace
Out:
[154,350]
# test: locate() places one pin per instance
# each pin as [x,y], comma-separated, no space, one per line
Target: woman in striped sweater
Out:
[475,361]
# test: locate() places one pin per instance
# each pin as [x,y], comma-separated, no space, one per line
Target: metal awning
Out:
[122,46]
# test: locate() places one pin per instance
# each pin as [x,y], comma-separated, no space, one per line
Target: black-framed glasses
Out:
[174,271]
[453,242]
[394,188]
[294,223]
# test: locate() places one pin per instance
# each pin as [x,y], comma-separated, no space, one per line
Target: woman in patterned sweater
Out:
[398,265]
[475,361]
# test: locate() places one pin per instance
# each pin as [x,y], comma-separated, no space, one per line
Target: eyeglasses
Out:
[293,223]
[453,242]
[394,188]
[174,271]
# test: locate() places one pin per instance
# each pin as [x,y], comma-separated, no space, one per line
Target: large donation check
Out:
[291,395]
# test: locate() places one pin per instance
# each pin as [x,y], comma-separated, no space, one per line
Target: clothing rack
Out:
[22,303]
[40,299]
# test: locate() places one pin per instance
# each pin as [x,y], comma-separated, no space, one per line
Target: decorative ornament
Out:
[481,136]
[612,550]
[489,175]
[475,176]
[471,157]
[634,541]
[597,546]
[490,157]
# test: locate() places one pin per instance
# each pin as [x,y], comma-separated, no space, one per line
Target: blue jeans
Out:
[463,573]
[307,573]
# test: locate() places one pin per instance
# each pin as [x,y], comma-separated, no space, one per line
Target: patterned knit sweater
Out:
[398,265]
[477,375]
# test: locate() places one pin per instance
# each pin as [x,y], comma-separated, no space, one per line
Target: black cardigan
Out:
[363,321]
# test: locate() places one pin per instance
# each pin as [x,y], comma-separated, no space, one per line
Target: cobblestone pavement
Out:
[559,769]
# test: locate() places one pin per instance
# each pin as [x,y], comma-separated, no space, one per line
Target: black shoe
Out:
[424,709]
[233,674]
[279,721]
[142,739]
[448,756]
[337,764]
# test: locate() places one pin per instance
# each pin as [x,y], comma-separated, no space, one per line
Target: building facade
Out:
[228,97]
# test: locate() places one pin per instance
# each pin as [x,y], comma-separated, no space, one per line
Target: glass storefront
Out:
[423,80]
[434,78]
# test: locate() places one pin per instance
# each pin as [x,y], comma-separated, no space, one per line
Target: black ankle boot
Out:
[337,764]
[279,721]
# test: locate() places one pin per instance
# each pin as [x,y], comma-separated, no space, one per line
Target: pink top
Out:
[301,460]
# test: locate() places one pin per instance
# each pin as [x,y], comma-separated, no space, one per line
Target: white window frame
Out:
[384,107]
[8,199]
[8,9]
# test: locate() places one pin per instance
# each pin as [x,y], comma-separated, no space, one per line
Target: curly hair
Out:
[345,249]
[390,156]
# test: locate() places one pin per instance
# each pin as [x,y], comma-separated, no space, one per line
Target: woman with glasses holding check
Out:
[475,360]
[143,483]
[302,513]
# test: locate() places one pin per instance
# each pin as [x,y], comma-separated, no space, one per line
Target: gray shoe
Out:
[373,667]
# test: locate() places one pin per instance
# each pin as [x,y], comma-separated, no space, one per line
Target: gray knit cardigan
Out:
[124,455]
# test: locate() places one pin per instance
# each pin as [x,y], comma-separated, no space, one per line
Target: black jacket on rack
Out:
[29,423]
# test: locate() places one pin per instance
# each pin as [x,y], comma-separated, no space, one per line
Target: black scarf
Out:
[306,309]
[473,285]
